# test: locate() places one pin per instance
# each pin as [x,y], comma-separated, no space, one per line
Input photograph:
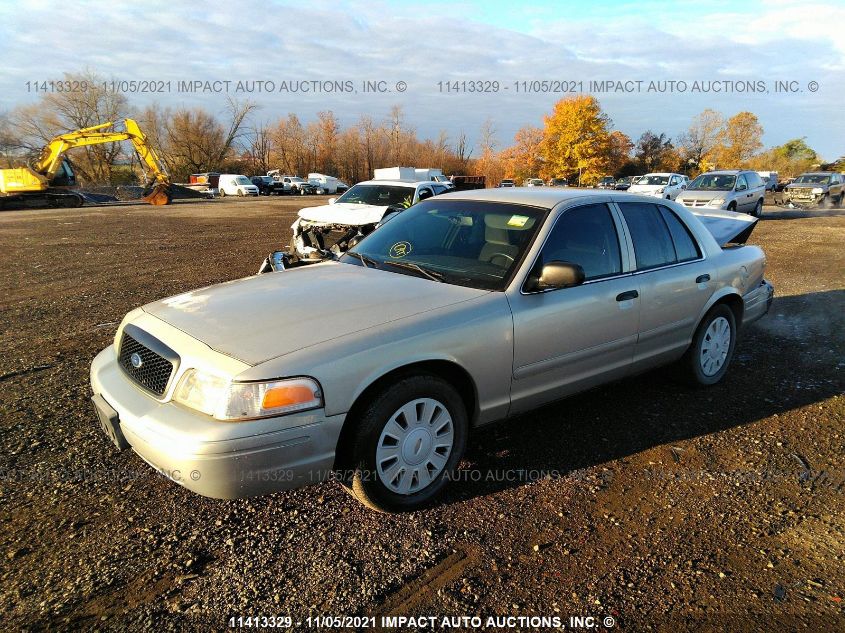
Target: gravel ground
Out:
[663,507]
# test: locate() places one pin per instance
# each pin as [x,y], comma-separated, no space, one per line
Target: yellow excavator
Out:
[49,177]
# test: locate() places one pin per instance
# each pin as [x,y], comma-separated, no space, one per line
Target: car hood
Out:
[645,188]
[348,213]
[266,316]
[806,185]
[703,194]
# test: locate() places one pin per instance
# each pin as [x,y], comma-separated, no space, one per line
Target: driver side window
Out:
[585,236]
[741,184]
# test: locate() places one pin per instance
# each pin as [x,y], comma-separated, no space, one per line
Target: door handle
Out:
[702,279]
[624,296]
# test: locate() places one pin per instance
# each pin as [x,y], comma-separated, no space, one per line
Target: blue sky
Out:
[422,43]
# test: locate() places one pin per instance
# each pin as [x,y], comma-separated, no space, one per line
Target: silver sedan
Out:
[465,309]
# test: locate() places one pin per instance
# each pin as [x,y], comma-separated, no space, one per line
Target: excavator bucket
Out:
[159,195]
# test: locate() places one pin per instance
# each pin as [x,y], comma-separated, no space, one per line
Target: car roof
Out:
[729,172]
[401,183]
[662,173]
[545,197]
[817,173]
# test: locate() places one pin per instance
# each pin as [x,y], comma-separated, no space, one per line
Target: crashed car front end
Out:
[805,194]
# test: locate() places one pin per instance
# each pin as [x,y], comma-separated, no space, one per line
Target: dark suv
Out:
[822,188]
[267,186]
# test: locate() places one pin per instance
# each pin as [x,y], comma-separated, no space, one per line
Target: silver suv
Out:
[732,189]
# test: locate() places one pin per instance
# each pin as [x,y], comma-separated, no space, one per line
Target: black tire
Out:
[222,193]
[691,363]
[732,206]
[366,483]
[758,209]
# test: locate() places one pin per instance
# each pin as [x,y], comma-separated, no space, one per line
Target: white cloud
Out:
[423,44]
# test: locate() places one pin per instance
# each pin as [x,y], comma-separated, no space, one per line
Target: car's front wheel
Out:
[408,443]
[708,357]
[758,209]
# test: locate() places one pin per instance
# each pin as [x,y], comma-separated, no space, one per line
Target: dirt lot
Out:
[664,507]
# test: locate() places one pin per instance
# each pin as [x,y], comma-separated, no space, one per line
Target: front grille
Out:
[155,370]
[695,203]
[801,193]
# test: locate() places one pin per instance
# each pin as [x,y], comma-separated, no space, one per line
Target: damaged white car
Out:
[326,231]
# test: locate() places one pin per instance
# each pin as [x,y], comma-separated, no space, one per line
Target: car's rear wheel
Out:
[407,444]
[222,193]
[708,357]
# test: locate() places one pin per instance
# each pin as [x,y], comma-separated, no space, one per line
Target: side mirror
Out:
[557,275]
[332,200]
[425,194]
[741,187]
[353,241]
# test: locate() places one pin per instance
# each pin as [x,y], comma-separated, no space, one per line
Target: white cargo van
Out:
[236,185]
[324,184]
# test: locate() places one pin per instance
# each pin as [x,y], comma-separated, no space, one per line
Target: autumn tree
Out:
[790,159]
[739,140]
[619,152]
[575,135]
[524,158]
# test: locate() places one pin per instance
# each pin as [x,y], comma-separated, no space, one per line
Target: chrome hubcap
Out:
[715,346]
[414,446]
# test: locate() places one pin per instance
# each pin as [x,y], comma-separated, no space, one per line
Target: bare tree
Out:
[59,112]
[702,137]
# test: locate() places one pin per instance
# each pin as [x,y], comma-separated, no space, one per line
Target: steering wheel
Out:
[505,255]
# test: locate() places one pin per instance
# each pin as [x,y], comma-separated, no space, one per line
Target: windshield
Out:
[467,243]
[266,179]
[242,180]
[711,182]
[813,179]
[380,195]
[653,180]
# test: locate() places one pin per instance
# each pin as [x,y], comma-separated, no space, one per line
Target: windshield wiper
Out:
[425,272]
[365,260]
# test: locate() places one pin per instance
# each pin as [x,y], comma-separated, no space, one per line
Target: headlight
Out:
[232,401]
[716,202]
[818,190]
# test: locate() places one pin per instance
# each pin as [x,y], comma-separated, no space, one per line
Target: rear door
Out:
[570,339]
[674,280]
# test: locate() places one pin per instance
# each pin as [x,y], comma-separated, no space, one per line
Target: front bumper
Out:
[757,302]
[224,460]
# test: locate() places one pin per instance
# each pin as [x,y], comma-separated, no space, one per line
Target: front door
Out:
[570,339]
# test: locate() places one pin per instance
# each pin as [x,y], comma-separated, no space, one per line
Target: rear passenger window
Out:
[652,242]
[685,246]
[585,236]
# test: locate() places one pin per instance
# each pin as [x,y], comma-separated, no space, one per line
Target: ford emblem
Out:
[136,360]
